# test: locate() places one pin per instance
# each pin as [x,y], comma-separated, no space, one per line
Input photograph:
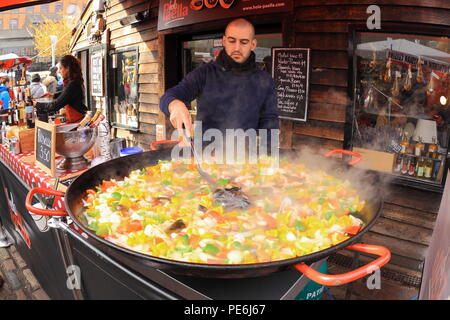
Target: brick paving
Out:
[20,283]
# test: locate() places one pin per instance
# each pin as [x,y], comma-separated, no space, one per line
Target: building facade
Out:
[15,31]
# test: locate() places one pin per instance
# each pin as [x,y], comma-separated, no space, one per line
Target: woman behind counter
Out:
[71,97]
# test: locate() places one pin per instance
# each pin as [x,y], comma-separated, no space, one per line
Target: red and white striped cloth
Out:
[30,174]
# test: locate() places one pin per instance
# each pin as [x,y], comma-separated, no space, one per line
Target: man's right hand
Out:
[179,116]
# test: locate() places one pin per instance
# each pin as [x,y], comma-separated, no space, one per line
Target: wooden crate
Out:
[375,160]
[26,140]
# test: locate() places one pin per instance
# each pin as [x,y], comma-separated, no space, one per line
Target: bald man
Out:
[231,92]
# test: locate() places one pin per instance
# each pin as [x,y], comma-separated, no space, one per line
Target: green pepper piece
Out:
[116,195]
[103,228]
[211,249]
[166,183]
[99,190]
[190,195]
[223,182]
[184,249]
[185,239]
[93,214]
[299,226]
[93,226]
[329,214]
[237,245]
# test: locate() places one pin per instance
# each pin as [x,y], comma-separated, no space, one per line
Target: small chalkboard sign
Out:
[45,142]
[291,74]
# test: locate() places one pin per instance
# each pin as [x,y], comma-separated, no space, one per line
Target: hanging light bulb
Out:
[444,99]
[408,80]
[431,88]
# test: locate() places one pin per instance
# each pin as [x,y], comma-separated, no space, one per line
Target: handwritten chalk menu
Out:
[291,74]
[45,142]
[97,74]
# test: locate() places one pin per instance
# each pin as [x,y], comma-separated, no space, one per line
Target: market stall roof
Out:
[10,60]
[14,4]
[404,46]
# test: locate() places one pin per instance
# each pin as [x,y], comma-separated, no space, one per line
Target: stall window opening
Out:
[401,109]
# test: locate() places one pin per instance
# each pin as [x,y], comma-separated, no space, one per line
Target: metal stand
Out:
[355,264]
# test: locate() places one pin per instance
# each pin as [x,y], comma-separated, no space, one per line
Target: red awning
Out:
[11,60]
[14,4]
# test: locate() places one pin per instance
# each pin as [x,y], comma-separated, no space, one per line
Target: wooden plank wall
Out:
[323,26]
[145,36]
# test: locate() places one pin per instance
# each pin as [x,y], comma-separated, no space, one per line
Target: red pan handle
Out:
[340,279]
[44,212]
[154,144]
[351,153]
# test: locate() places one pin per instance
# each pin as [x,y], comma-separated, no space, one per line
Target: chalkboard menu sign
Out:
[45,142]
[97,74]
[291,74]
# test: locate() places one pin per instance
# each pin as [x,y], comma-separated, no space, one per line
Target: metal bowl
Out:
[73,145]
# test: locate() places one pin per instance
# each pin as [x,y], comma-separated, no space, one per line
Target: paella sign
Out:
[177,13]
[45,146]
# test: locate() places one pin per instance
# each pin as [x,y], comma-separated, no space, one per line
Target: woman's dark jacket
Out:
[72,94]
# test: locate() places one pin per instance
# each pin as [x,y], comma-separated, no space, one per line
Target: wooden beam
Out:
[322,41]
[329,59]
[418,3]
[321,145]
[329,77]
[393,13]
[327,112]
[320,129]
[149,88]
[325,94]
[148,107]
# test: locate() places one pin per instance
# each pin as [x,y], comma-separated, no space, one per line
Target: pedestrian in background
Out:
[51,82]
[4,92]
[37,88]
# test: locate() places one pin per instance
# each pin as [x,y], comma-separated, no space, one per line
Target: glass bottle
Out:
[404,144]
[405,166]
[432,148]
[428,167]
[398,163]
[437,166]
[420,168]
[412,167]
[419,148]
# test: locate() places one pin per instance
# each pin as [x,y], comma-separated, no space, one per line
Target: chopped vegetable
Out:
[169,211]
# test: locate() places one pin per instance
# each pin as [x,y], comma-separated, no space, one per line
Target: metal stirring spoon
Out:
[230,198]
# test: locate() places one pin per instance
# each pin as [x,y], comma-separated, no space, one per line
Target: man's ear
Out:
[254,43]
